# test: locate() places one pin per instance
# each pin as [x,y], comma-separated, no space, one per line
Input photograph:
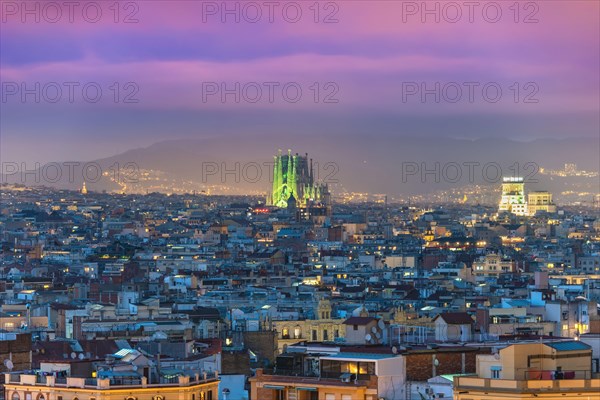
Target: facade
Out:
[540,201]
[15,348]
[35,387]
[514,200]
[513,197]
[363,330]
[453,327]
[547,370]
[322,329]
[491,265]
[294,182]
[342,376]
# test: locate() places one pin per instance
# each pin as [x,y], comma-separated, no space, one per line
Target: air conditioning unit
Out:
[428,391]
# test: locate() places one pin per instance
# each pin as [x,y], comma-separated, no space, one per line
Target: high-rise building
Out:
[515,201]
[540,201]
[294,182]
[513,196]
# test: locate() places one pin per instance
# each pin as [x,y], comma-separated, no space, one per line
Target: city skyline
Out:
[299,200]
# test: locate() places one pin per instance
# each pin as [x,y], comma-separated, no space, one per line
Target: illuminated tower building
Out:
[84,189]
[294,181]
[513,196]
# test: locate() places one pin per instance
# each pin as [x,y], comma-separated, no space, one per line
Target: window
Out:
[279,394]
[314,335]
[346,397]
[15,396]
[565,327]
[496,372]
[209,395]
[329,396]
[41,397]
[325,334]
[355,327]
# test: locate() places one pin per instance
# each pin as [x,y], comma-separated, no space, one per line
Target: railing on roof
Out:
[584,381]
[107,383]
[538,374]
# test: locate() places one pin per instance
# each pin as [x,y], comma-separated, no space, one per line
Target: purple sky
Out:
[375,50]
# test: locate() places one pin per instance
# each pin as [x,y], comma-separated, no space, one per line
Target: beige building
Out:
[552,370]
[491,265]
[322,329]
[540,201]
[453,327]
[34,387]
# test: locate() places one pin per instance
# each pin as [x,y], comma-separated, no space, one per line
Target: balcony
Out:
[339,380]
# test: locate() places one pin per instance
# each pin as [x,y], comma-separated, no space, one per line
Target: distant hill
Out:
[367,163]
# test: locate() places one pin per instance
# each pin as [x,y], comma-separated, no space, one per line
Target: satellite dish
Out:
[135,368]
[374,329]
[497,356]
[9,364]
[395,350]
[378,335]
[381,324]
[436,362]
[81,356]
[73,355]
[368,337]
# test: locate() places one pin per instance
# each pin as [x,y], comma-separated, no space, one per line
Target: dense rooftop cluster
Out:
[158,289]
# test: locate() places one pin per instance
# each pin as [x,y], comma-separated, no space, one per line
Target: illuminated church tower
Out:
[293,180]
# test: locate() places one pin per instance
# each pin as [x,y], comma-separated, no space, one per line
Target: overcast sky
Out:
[361,69]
